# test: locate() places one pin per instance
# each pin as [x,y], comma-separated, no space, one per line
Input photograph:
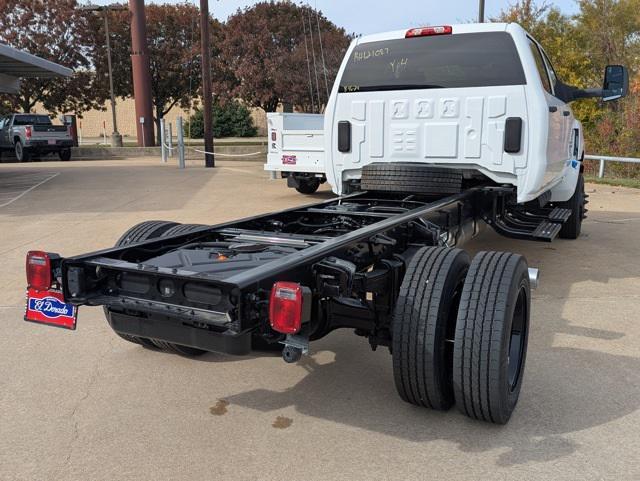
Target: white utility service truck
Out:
[429,135]
[296,149]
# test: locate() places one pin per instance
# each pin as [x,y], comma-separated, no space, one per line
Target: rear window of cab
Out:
[433,62]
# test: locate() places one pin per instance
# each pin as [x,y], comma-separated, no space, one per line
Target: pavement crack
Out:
[86,392]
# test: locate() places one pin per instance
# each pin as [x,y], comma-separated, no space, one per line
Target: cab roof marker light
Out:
[429,31]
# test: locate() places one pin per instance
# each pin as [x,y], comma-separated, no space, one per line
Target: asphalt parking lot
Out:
[86,405]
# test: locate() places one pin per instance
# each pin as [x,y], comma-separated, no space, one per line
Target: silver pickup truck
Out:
[33,135]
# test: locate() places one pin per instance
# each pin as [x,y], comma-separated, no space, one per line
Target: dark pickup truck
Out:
[33,135]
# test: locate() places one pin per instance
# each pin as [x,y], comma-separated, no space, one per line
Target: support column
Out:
[141,74]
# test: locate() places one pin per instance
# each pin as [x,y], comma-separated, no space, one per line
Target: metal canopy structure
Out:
[16,64]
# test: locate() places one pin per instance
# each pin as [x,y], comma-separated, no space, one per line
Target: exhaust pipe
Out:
[534,274]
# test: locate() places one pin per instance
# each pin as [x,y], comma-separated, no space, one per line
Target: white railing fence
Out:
[605,158]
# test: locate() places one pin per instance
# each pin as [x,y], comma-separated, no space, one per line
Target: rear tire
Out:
[22,154]
[491,336]
[410,177]
[65,155]
[178,349]
[146,230]
[573,226]
[140,232]
[181,229]
[308,186]
[424,325]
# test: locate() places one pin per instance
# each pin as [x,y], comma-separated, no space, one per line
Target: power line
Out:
[313,56]
[324,67]
[306,50]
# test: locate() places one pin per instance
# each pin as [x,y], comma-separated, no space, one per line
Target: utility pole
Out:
[481,11]
[209,159]
[116,138]
[141,74]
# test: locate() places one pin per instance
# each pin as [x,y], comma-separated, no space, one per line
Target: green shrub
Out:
[230,119]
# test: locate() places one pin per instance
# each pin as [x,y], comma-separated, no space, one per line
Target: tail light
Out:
[38,270]
[27,132]
[274,136]
[427,31]
[285,307]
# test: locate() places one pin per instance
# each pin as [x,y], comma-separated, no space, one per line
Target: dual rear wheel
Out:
[460,332]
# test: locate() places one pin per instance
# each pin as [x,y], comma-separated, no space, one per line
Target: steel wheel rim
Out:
[517,338]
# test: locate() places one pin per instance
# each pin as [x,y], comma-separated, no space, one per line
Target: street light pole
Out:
[481,11]
[116,138]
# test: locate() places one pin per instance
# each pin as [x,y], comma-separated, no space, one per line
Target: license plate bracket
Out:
[48,307]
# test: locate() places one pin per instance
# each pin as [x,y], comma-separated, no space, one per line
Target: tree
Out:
[173,37]
[602,32]
[266,48]
[57,31]
[230,119]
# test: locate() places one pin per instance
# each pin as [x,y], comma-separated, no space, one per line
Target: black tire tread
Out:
[573,226]
[140,232]
[177,348]
[181,229]
[416,375]
[407,177]
[65,155]
[481,320]
[149,229]
[308,186]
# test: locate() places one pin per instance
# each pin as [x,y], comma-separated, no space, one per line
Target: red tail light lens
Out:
[274,136]
[285,307]
[38,270]
[426,31]
[27,132]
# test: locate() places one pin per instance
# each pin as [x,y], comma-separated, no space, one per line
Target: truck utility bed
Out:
[296,143]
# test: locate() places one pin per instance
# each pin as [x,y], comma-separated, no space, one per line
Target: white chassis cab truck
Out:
[429,135]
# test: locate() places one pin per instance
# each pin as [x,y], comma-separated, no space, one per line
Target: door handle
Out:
[553,108]
[566,113]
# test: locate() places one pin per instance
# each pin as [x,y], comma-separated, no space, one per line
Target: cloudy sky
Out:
[369,16]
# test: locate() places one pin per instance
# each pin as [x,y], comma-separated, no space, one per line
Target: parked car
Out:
[34,135]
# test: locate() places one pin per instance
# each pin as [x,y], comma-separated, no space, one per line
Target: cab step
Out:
[547,230]
[559,215]
[544,230]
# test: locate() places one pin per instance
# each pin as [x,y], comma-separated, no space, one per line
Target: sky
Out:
[370,16]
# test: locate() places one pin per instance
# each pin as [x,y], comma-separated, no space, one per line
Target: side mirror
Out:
[616,82]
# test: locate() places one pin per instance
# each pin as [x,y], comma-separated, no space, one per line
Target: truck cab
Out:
[482,99]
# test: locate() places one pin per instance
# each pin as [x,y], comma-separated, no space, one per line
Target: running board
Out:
[541,225]
[559,215]
[546,231]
